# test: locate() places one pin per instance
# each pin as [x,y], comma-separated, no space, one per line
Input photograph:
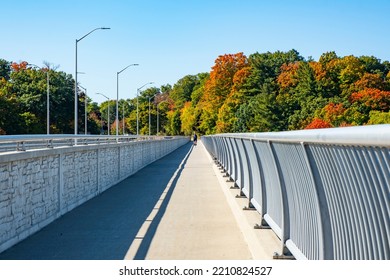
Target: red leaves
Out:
[374,98]
[318,123]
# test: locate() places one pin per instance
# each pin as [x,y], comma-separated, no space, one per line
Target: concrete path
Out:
[179,207]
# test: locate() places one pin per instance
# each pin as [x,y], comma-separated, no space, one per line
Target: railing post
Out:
[263,202]
[326,238]
[285,227]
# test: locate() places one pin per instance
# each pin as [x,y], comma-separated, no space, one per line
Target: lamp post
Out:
[85,110]
[150,98]
[123,118]
[117,95]
[47,98]
[157,120]
[138,91]
[108,114]
[75,84]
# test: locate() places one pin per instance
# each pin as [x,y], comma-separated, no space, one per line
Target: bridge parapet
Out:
[325,193]
[39,185]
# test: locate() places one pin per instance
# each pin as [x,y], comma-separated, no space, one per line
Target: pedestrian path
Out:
[178,208]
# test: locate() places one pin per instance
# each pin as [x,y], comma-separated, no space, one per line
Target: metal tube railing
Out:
[30,142]
[324,192]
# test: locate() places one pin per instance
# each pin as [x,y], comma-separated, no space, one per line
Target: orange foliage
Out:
[318,123]
[219,85]
[240,78]
[334,114]
[287,77]
[369,81]
[19,66]
[226,66]
[318,69]
[334,109]
[374,98]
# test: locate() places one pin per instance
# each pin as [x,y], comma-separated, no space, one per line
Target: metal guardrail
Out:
[325,193]
[10,143]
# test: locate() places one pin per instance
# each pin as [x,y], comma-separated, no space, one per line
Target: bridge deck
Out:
[178,207]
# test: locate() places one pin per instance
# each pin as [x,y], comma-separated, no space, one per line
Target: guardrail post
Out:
[326,250]
[249,175]
[285,227]
[263,223]
[326,238]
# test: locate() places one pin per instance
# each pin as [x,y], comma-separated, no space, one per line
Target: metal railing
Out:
[9,143]
[325,192]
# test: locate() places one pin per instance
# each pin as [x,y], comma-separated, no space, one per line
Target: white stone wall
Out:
[80,177]
[29,190]
[108,167]
[37,187]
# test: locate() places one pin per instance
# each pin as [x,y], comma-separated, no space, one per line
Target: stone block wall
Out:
[37,187]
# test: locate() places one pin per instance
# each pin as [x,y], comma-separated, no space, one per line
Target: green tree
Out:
[5,69]
[8,110]
[107,115]
[28,87]
[377,117]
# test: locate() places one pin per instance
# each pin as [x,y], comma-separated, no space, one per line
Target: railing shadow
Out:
[147,239]
[104,227]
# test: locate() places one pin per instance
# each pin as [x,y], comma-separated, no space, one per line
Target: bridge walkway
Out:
[177,208]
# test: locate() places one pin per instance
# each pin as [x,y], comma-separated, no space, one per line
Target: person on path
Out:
[195,139]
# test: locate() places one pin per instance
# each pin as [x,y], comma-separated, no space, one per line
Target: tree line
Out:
[261,92]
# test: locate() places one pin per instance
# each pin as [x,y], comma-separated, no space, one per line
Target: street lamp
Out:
[108,114]
[75,85]
[150,98]
[157,119]
[123,118]
[138,91]
[47,98]
[85,110]
[117,94]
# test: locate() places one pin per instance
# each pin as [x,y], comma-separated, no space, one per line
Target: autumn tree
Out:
[365,101]
[227,114]
[187,118]
[267,110]
[218,87]
[262,92]
[179,95]
[318,123]
[351,70]
[306,98]
[192,110]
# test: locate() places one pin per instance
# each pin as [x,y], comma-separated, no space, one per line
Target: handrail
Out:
[39,141]
[324,192]
[377,135]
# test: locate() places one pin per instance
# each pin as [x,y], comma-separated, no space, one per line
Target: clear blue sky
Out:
[172,38]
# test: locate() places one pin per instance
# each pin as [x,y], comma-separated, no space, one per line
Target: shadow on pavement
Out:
[147,239]
[104,227]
